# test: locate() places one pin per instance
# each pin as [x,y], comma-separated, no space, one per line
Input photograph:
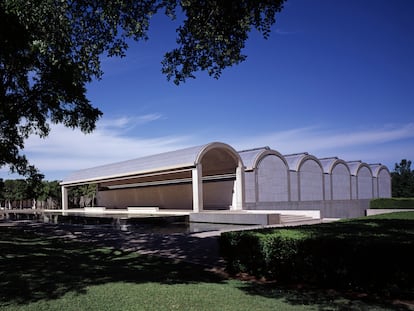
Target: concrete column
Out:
[239,196]
[197,173]
[289,188]
[64,198]
[256,184]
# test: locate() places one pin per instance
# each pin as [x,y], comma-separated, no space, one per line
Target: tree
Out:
[15,192]
[35,187]
[403,180]
[89,194]
[49,195]
[84,195]
[1,192]
[50,50]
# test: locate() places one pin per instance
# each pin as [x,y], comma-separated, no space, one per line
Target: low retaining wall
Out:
[241,218]
[316,214]
[328,209]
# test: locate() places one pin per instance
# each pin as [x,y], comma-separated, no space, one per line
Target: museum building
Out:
[215,176]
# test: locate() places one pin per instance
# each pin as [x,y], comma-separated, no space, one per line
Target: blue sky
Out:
[335,78]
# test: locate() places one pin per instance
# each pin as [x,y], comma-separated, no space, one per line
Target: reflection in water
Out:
[141,224]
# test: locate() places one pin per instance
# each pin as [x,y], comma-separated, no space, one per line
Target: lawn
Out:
[56,273]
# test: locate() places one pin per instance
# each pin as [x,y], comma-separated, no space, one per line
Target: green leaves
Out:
[403,180]
[213,35]
[50,50]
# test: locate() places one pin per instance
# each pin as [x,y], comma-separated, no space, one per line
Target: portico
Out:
[210,176]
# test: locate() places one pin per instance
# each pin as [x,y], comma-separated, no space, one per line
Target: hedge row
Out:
[392,203]
[348,255]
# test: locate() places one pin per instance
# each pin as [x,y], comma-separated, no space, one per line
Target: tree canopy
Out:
[403,180]
[50,50]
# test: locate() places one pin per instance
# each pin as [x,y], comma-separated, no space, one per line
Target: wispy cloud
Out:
[128,122]
[67,150]
[384,144]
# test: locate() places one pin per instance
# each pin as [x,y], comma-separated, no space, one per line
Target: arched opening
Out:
[218,176]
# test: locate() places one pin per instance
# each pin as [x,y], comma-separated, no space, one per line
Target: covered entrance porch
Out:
[207,177]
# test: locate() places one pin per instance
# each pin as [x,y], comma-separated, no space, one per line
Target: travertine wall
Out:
[337,188]
[341,182]
[365,183]
[272,176]
[294,190]
[354,192]
[250,186]
[311,181]
[383,184]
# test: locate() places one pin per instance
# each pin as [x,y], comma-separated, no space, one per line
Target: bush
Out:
[242,249]
[392,203]
[366,254]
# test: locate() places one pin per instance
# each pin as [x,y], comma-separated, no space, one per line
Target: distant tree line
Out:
[27,193]
[403,180]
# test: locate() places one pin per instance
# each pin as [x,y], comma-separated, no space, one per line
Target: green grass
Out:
[52,273]
[391,216]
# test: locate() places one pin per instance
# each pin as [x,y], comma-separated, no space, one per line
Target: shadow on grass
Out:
[326,299]
[34,267]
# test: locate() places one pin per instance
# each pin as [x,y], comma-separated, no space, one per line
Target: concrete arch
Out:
[307,172]
[272,175]
[266,175]
[251,158]
[337,179]
[218,146]
[362,185]
[220,170]
[381,180]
